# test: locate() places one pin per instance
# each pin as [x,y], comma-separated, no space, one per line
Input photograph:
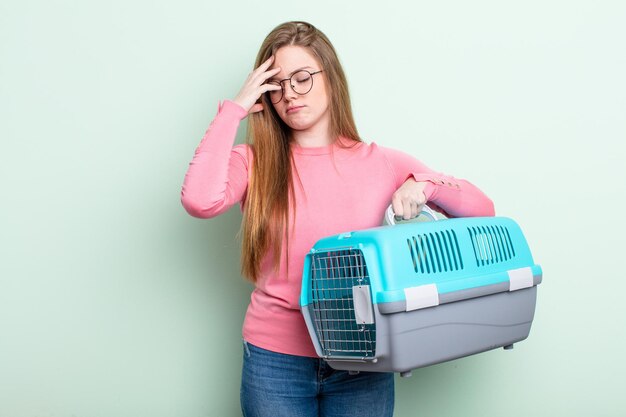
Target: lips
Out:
[294,108]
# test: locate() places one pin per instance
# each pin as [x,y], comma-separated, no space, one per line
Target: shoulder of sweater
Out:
[244,150]
[371,149]
[361,145]
[374,148]
[386,151]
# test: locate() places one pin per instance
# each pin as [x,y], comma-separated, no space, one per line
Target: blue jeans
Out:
[279,385]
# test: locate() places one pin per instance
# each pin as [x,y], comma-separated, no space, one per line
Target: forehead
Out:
[290,58]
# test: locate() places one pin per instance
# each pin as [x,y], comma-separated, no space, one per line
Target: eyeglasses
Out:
[301,83]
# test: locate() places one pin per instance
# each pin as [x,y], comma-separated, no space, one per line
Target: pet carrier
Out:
[396,298]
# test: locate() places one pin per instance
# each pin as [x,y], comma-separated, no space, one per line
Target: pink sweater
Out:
[350,194]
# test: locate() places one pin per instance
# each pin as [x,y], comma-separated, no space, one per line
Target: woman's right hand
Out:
[255,86]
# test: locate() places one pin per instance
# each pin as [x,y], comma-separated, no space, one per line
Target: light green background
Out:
[116,303]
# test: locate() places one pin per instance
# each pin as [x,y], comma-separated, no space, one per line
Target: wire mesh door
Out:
[334,274]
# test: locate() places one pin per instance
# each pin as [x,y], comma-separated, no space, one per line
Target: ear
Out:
[256,108]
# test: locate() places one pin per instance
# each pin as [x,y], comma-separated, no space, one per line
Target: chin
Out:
[299,126]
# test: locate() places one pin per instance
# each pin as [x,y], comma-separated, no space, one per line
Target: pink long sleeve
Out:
[217,177]
[458,197]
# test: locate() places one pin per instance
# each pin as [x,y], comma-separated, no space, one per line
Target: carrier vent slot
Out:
[491,244]
[333,275]
[435,252]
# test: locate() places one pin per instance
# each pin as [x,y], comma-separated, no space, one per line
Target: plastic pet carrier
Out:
[396,298]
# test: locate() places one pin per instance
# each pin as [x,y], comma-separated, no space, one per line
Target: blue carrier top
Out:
[418,265]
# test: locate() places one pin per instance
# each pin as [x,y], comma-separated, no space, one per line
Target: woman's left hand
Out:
[408,200]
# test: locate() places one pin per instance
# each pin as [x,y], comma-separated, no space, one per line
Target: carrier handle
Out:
[391,217]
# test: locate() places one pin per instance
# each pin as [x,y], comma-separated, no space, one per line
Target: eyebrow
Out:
[292,72]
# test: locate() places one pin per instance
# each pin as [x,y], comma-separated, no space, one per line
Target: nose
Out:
[288,92]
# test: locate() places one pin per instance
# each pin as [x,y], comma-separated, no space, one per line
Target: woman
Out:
[304,174]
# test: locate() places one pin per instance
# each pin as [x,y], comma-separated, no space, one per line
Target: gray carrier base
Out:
[418,338]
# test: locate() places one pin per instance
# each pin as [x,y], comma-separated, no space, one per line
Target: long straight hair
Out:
[265,224]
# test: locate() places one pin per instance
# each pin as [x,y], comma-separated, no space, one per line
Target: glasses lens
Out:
[275,95]
[302,81]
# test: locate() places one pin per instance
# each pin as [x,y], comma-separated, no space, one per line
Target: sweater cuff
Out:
[233,108]
[434,181]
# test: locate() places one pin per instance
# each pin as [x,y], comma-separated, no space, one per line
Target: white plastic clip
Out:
[421,297]
[363,313]
[520,278]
